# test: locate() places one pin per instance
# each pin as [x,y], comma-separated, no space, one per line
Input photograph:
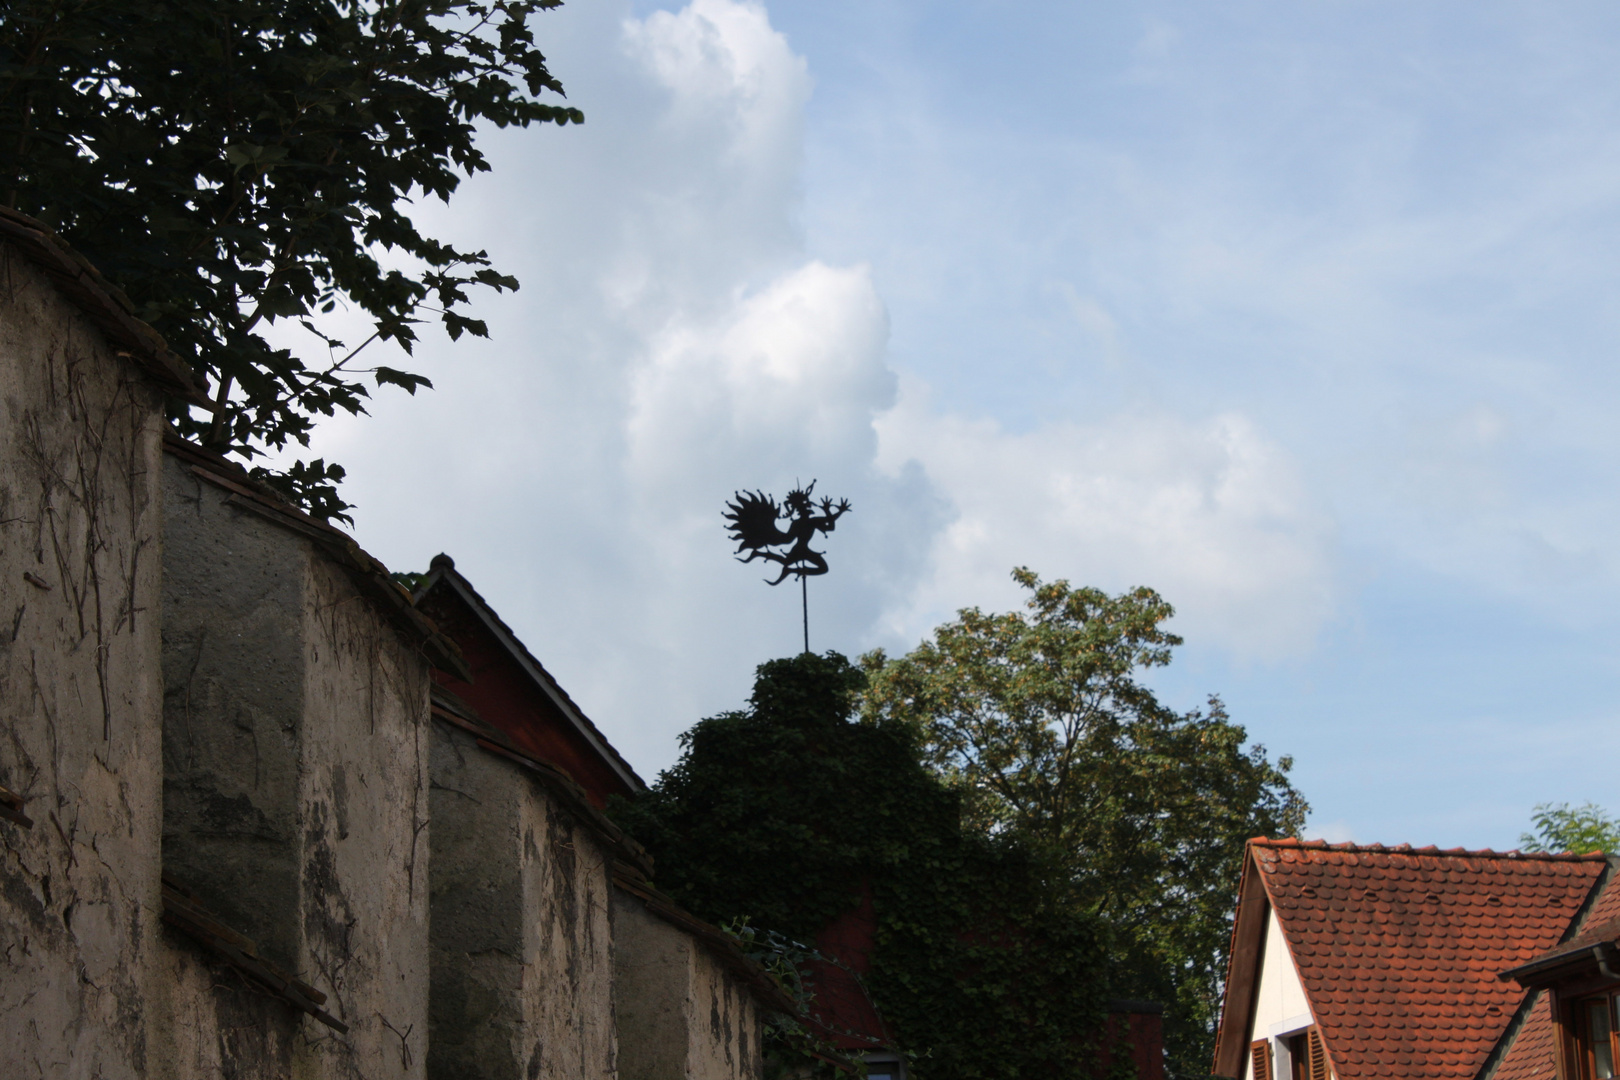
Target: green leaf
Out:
[216,157]
[404,379]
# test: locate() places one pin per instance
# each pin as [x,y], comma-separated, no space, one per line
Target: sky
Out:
[1302,314]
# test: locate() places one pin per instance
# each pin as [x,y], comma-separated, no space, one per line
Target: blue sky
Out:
[1303,314]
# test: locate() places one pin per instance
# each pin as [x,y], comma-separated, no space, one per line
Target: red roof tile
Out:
[1399,949]
[1531,1055]
[1600,926]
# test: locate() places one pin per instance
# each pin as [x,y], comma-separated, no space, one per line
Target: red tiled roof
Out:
[1531,1055]
[1605,908]
[1399,949]
[1600,926]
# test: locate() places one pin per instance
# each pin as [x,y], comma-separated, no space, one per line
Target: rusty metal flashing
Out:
[104,304]
[368,574]
[444,569]
[11,808]
[182,911]
[765,988]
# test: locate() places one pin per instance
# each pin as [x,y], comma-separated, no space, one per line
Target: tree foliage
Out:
[1581,829]
[232,163]
[788,812]
[1042,723]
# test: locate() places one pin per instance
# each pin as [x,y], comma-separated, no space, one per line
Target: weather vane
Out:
[753,519]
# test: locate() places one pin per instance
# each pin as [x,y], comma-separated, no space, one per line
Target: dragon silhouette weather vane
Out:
[753,521]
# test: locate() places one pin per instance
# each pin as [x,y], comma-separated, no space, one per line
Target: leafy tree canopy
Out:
[1040,720]
[231,163]
[1581,829]
[789,812]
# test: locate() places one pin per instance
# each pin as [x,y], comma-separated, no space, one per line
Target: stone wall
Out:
[295,803]
[522,983]
[682,1012]
[214,780]
[79,689]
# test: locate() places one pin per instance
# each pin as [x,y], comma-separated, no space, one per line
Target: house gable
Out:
[512,691]
[1280,1006]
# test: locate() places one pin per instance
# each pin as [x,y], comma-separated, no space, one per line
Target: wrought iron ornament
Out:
[753,521]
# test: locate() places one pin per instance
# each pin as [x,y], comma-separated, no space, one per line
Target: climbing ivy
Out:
[786,812]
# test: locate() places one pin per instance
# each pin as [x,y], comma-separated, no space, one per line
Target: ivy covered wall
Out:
[785,812]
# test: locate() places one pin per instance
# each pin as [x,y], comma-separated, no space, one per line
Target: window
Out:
[1305,1053]
[884,1067]
[1299,1056]
[1596,1032]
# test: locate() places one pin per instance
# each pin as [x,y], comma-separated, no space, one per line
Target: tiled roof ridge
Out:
[1431,850]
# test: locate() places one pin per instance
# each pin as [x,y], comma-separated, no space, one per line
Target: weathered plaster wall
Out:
[522,979]
[652,992]
[79,692]
[295,801]
[234,668]
[681,1014]
[725,1032]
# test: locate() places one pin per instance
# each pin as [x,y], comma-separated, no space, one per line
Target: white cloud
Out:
[674,340]
[791,374]
[1207,512]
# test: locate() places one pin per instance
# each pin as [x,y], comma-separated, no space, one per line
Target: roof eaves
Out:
[443,568]
[1245,954]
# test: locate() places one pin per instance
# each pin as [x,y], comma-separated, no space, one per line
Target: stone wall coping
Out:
[563,787]
[367,572]
[768,992]
[183,911]
[104,304]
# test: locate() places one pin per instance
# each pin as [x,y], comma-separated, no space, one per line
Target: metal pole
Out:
[804,594]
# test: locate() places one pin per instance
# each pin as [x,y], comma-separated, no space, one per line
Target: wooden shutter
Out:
[1260,1054]
[1317,1055]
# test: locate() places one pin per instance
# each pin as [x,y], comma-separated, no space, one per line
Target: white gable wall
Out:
[1280,1008]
